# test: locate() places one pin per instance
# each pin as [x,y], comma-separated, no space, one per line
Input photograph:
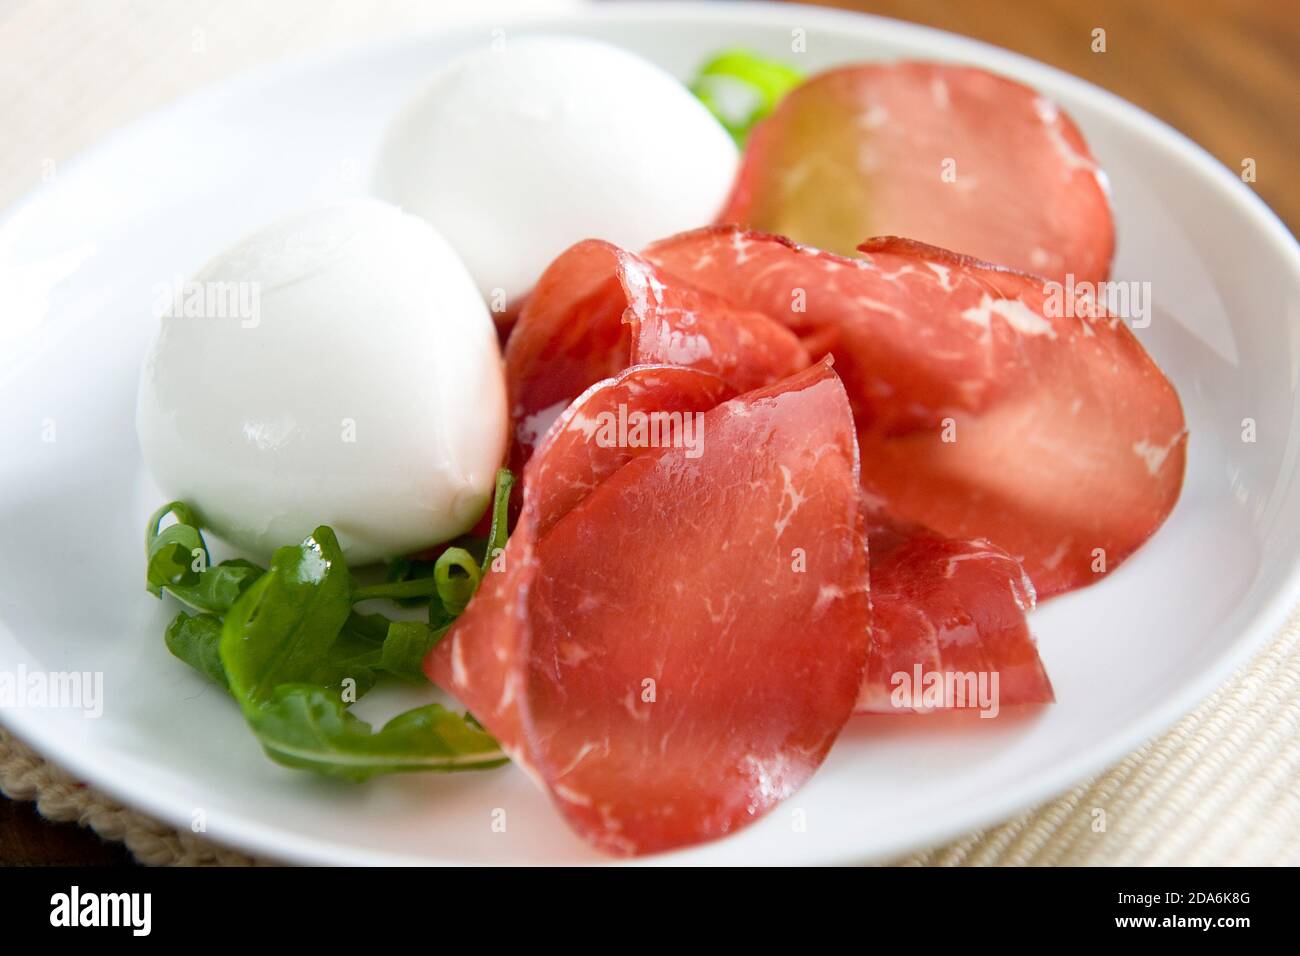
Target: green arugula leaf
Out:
[178,561]
[405,648]
[294,654]
[367,627]
[174,556]
[196,639]
[357,653]
[308,728]
[740,88]
[217,589]
[287,647]
[353,656]
[282,628]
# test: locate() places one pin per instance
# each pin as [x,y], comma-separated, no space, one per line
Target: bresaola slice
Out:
[948,626]
[984,409]
[674,641]
[599,309]
[950,155]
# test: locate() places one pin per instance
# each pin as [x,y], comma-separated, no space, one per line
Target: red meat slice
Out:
[985,407]
[950,608]
[950,155]
[599,309]
[674,642]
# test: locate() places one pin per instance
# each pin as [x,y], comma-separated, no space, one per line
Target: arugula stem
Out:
[497,535]
[396,590]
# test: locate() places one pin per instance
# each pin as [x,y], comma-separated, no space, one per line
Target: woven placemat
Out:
[59,796]
[1221,787]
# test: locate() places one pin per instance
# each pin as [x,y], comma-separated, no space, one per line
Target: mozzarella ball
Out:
[335,368]
[515,154]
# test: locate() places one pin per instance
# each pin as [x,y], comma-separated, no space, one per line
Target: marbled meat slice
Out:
[950,155]
[675,639]
[599,309]
[950,615]
[986,406]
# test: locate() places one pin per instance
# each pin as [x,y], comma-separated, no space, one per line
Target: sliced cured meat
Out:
[675,641]
[985,407]
[950,155]
[598,309]
[948,625]
[578,458]
[483,660]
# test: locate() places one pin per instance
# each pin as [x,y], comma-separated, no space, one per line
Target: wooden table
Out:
[1225,72]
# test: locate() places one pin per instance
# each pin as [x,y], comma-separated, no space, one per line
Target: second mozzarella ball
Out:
[517,152]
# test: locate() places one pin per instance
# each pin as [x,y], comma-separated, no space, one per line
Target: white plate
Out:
[82,254]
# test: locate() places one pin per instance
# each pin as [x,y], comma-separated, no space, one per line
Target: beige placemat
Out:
[1222,787]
